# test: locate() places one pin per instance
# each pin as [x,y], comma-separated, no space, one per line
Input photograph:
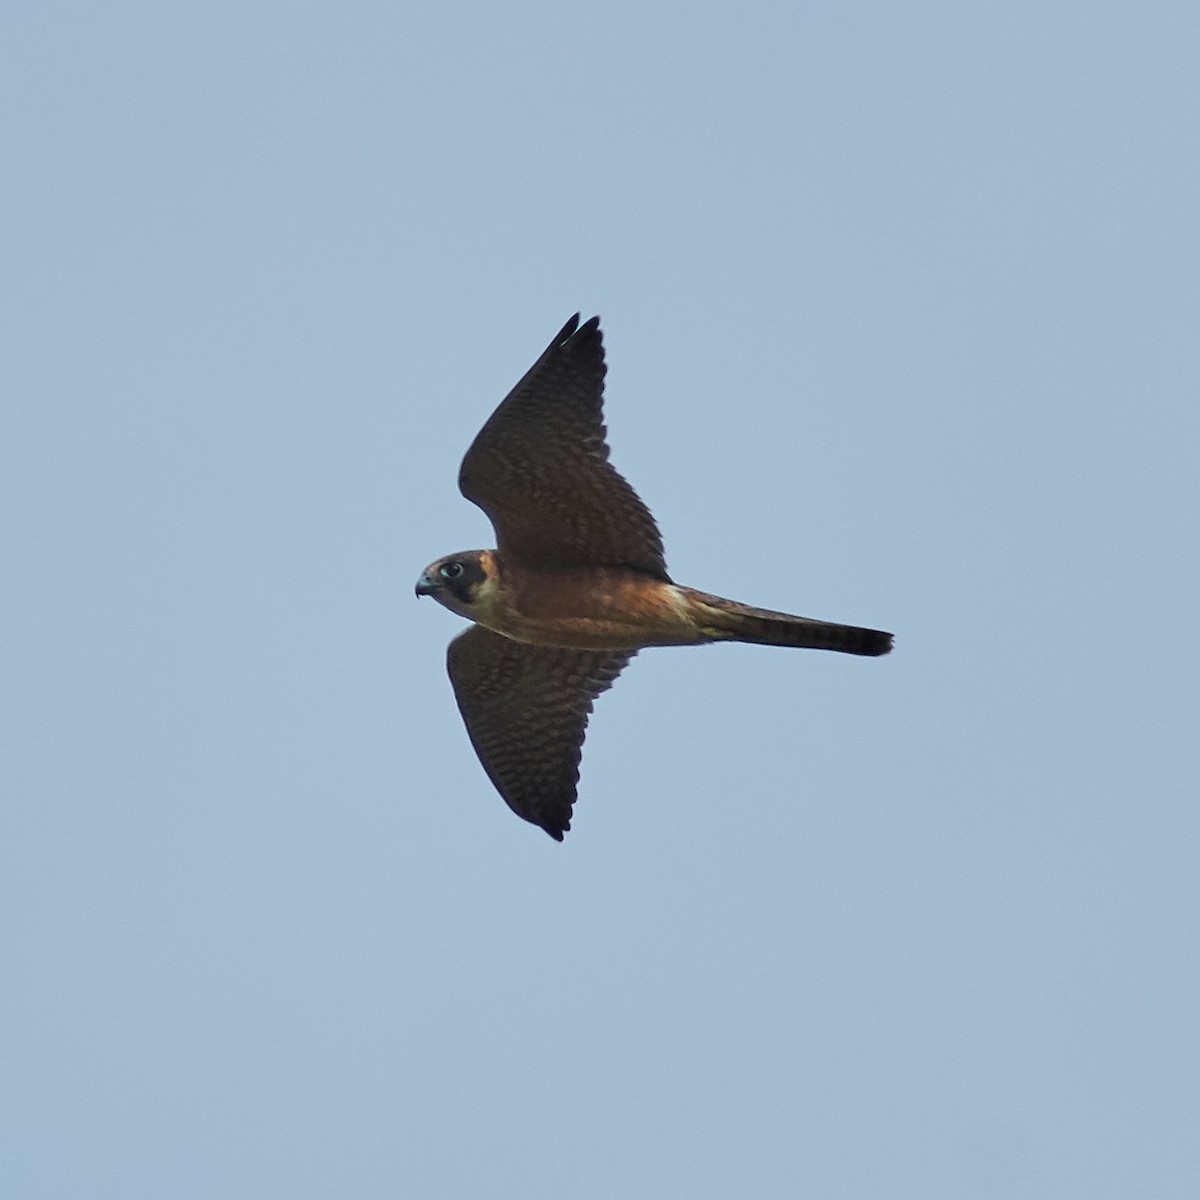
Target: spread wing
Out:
[526,709]
[539,468]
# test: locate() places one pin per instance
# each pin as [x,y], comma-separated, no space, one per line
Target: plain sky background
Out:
[903,323]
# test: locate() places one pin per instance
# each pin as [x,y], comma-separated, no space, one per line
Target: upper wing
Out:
[526,709]
[539,468]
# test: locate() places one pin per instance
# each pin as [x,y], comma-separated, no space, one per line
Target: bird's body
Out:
[601,609]
[609,608]
[605,609]
[576,587]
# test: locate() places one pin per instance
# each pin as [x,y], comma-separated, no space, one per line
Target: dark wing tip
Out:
[555,819]
[585,345]
[573,329]
[573,332]
[564,334]
[588,331]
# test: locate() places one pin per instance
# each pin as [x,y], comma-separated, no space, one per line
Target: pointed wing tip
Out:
[574,329]
[565,333]
[552,823]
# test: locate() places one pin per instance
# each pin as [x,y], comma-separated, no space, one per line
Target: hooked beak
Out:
[426,585]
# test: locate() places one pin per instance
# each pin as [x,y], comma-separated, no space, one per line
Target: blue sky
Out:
[901,308]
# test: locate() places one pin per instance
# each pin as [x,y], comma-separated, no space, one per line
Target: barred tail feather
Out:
[728,621]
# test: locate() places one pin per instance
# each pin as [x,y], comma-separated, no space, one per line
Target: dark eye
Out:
[450,570]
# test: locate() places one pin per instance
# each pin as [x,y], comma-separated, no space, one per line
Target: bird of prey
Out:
[576,586]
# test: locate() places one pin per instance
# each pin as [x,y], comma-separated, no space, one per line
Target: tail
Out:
[727,621]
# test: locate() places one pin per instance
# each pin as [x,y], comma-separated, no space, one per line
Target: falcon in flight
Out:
[576,586]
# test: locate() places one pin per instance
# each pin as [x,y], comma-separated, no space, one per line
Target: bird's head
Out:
[455,581]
